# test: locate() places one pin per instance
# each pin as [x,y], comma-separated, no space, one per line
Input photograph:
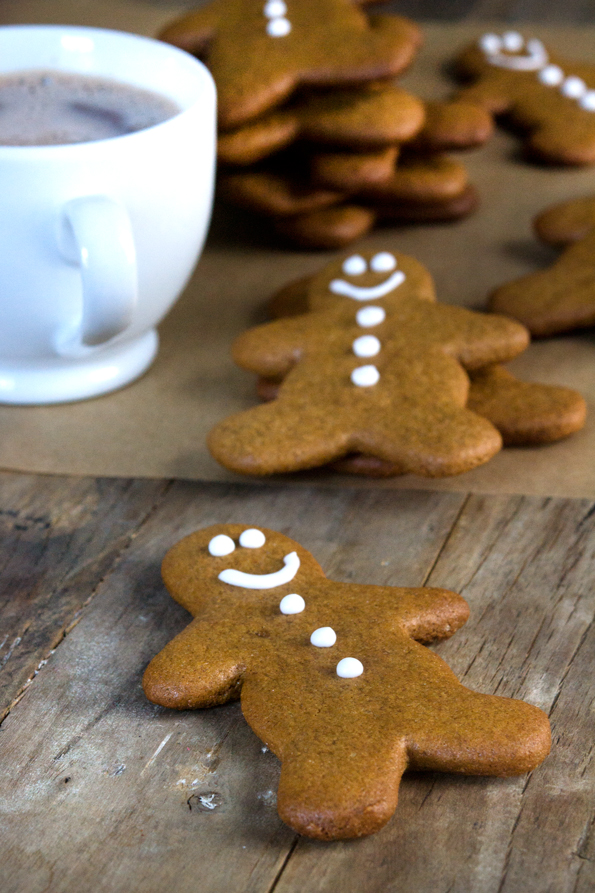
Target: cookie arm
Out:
[429,614]
[478,339]
[274,348]
[190,671]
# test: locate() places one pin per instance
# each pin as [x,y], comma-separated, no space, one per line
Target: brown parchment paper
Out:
[156,427]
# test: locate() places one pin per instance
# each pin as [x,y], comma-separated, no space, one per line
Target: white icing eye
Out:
[370,316]
[491,44]
[573,88]
[221,545]
[366,346]
[551,75]
[535,47]
[275,9]
[365,376]
[325,637]
[252,539]
[588,101]
[292,604]
[513,41]
[383,262]
[349,668]
[278,27]
[355,265]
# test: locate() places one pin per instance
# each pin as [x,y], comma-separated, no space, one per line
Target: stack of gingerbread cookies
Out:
[314,132]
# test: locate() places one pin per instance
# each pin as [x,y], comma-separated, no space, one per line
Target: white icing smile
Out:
[340,287]
[263,581]
[533,59]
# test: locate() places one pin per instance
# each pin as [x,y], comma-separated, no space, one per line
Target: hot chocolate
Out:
[42,108]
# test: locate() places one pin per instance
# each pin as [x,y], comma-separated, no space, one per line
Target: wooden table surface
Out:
[101,790]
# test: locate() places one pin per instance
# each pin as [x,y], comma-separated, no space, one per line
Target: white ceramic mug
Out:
[98,239]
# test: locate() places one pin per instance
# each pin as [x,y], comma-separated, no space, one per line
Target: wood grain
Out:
[58,537]
[126,795]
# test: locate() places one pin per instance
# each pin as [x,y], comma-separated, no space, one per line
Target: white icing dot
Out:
[275,9]
[252,539]
[513,41]
[355,265]
[551,75]
[370,316]
[278,27]
[366,346]
[383,262]
[573,88]
[587,102]
[491,44]
[365,376]
[292,604]
[349,668]
[221,545]
[324,637]
[537,49]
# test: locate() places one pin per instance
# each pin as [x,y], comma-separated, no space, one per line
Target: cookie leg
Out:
[330,799]
[447,442]
[525,412]
[482,735]
[278,437]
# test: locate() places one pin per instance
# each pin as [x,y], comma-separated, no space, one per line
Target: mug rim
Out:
[193,64]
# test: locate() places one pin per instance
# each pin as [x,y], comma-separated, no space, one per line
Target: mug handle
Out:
[95,234]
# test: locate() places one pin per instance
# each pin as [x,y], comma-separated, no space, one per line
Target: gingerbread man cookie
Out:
[260,51]
[339,225]
[374,368]
[525,413]
[567,222]
[332,677]
[291,184]
[551,99]
[372,116]
[560,298]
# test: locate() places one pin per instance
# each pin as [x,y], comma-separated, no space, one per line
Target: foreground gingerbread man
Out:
[332,677]
[259,51]
[551,99]
[380,370]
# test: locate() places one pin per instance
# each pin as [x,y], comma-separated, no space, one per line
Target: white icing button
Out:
[588,101]
[275,9]
[370,316]
[490,43]
[513,41]
[252,539]
[551,75]
[292,604]
[349,668]
[366,346]
[573,88]
[355,265]
[383,262]
[278,27]
[324,637]
[365,376]
[221,545]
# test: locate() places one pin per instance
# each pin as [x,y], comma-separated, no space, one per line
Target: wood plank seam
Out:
[447,538]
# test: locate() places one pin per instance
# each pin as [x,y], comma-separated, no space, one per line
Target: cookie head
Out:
[368,278]
[232,560]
